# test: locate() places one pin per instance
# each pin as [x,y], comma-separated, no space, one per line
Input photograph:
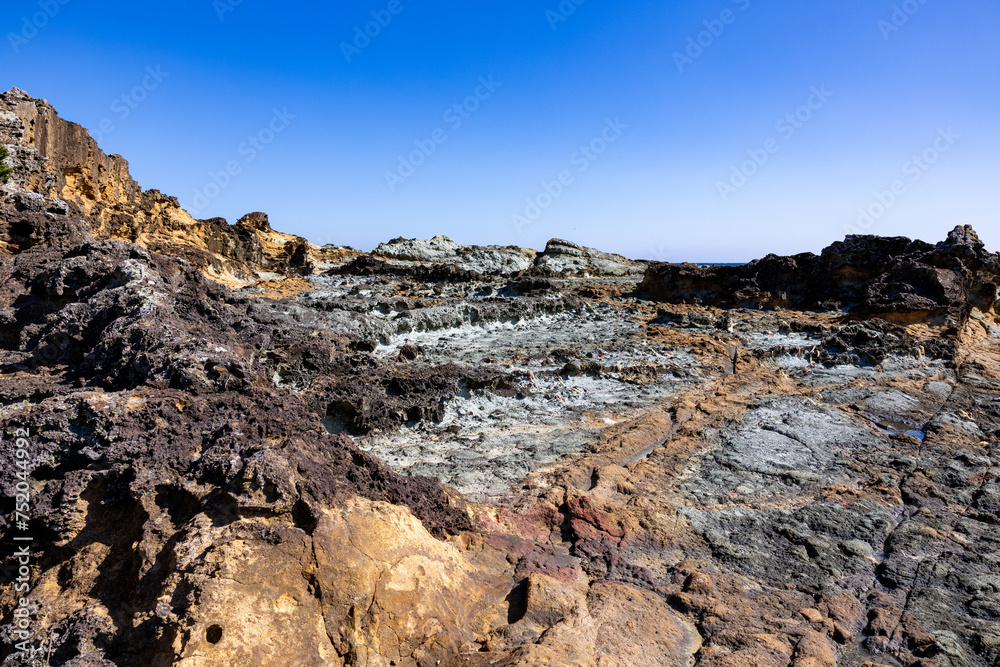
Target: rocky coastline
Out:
[242,448]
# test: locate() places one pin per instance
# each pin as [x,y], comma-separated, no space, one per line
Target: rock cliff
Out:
[59,160]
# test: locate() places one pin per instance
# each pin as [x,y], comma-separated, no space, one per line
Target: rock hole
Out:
[304,517]
[20,233]
[518,601]
[180,504]
[214,634]
[340,418]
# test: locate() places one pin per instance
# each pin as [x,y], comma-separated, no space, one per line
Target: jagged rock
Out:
[258,221]
[386,398]
[157,414]
[60,160]
[867,275]
[661,486]
[27,219]
[565,257]
[488,260]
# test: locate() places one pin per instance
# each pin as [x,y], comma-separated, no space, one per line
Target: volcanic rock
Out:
[866,275]
[448,455]
[60,160]
[565,257]
[492,260]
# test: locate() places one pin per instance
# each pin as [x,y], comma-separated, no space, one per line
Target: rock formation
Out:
[488,259]
[61,161]
[559,258]
[867,275]
[450,455]
[566,257]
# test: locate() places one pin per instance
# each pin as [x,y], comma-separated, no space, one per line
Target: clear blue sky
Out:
[678,125]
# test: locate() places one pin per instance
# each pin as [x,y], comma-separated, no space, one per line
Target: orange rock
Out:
[812,615]
[699,583]
[813,650]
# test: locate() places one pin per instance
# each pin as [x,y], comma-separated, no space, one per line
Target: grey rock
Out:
[566,257]
[798,545]
[785,444]
[488,260]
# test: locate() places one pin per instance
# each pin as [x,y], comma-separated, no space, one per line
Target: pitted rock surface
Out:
[869,275]
[453,455]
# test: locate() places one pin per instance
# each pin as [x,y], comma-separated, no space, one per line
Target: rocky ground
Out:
[248,450]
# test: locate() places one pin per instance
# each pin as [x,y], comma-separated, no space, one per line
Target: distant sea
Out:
[719,263]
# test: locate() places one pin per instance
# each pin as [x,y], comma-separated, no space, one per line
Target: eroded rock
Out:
[867,275]
[693,484]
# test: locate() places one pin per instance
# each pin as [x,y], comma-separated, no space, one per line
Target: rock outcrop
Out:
[867,275]
[490,260]
[559,258]
[60,160]
[562,257]
[183,486]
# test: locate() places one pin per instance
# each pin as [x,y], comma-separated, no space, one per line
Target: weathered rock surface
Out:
[60,160]
[559,258]
[366,265]
[562,257]
[869,275]
[153,420]
[629,483]
[492,260]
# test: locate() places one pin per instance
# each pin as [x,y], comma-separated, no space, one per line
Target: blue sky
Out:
[654,129]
